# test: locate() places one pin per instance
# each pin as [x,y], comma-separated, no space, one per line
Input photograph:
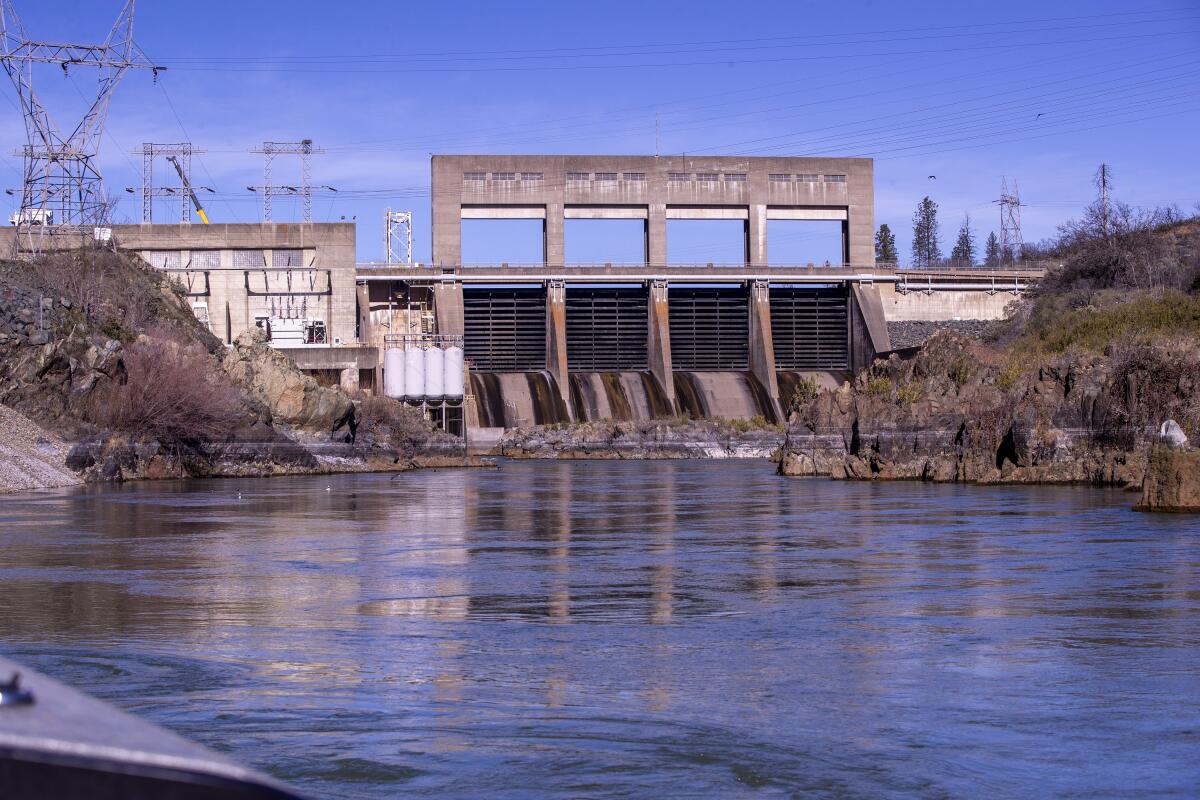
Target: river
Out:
[628,629]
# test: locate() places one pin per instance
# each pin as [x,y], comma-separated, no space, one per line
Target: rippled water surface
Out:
[628,629]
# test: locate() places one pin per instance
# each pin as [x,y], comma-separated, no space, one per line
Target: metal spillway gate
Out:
[505,328]
[809,328]
[606,329]
[709,328]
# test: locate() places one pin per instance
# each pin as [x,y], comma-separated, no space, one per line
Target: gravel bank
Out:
[31,458]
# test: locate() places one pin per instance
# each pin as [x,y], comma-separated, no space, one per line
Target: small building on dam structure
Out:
[505,345]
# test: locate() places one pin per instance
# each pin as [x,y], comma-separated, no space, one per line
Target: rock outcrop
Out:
[1172,481]
[291,397]
[960,411]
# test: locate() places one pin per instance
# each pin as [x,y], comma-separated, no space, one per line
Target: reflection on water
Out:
[628,629]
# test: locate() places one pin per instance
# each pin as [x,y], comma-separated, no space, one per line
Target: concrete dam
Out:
[507,345]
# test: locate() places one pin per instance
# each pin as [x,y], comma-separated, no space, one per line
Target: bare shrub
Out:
[116,293]
[400,426]
[171,391]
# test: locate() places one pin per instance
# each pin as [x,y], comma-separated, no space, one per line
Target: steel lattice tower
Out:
[1011,241]
[398,236]
[62,182]
[182,153]
[304,149]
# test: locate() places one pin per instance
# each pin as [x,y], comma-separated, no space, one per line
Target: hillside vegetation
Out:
[1070,388]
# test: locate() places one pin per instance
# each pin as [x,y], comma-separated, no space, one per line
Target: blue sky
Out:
[967,92]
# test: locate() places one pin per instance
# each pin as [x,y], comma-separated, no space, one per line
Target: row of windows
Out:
[475,177]
[776,177]
[706,177]
[640,177]
[211,259]
[606,177]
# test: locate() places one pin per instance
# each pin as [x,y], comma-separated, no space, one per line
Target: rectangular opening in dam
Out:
[809,327]
[505,328]
[706,241]
[804,241]
[502,241]
[606,329]
[710,328]
[605,241]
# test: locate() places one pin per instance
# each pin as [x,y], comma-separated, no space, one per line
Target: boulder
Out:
[291,397]
[1169,433]
[1172,480]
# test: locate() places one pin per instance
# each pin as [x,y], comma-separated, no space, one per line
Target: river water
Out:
[628,629]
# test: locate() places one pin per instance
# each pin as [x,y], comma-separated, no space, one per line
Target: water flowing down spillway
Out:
[517,399]
[619,396]
[521,399]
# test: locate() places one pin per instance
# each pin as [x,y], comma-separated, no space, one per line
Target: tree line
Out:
[927,246]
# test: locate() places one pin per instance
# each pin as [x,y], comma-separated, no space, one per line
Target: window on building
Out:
[635,177]
[779,177]
[606,176]
[578,177]
[706,177]
[164,259]
[678,177]
[248,259]
[735,177]
[835,178]
[807,178]
[287,258]
[504,176]
[472,177]
[531,177]
[206,259]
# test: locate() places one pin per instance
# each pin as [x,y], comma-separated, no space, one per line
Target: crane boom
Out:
[195,200]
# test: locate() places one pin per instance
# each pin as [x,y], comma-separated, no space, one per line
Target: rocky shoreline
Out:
[958,411]
[654,440]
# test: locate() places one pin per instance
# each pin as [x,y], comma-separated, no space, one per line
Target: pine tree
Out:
[963,254]
[885,246]
[991,251]
[926,249]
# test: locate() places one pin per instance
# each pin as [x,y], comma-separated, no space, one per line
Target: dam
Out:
[557,342]
[508,345]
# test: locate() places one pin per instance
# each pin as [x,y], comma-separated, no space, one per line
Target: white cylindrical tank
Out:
[454,372]
[435,384]
[414,372]
[393,373]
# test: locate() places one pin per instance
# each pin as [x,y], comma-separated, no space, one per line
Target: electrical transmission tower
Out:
[304,149]
[62,182]
[1011,243]
[180,156]
[398,236]
[1103,181]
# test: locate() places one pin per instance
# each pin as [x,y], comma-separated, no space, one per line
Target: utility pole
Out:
[1011,241]
[62,182]
[398,236]
[1103,179]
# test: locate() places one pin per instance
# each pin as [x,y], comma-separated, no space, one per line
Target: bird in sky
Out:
[933,177]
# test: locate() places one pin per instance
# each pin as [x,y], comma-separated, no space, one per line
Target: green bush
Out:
[879,387]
